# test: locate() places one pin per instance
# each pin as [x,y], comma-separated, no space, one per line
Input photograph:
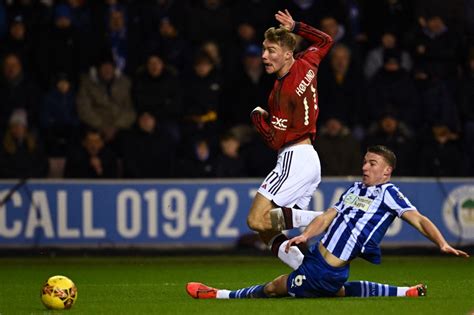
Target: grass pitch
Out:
[155,285]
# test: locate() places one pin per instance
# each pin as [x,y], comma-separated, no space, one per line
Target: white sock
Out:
[294,257]
[222,294]
[401,291]
[302,218]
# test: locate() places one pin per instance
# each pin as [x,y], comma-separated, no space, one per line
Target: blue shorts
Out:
[316,278]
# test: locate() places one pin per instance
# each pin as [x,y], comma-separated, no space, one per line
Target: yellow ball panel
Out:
[59,292]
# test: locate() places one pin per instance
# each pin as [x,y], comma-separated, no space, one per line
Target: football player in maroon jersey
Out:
[289,126]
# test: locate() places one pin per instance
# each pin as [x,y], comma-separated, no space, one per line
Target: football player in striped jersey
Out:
[353,227]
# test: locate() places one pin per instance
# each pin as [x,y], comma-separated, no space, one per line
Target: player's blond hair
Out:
[282,37]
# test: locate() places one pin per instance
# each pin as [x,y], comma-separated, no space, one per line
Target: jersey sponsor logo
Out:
[279,123]
[359,202]
[301,88]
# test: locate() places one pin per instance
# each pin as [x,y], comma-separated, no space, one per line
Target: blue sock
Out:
[367,288]
[255,291]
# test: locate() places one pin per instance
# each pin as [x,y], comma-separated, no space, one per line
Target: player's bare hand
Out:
[453,251]
[295,241]
[285,20]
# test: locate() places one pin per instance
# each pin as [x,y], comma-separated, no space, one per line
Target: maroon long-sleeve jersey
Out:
[293,103]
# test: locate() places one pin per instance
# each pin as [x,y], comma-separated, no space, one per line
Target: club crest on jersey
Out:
[301,88]
[400,196]
[279,123]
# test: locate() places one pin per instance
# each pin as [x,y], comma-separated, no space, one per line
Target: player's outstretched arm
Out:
[316,37]
[429,229]
[316,227]
[320,41]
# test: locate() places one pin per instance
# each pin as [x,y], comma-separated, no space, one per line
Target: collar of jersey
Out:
[284,76]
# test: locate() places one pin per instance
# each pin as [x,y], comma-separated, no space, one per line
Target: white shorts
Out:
[295,177]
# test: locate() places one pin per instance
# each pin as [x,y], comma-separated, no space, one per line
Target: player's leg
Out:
[278,287]
[283,186]
[369,289]
[275,288]
[286,218]
[291,218]
[316,278]
[293,258]
[307,185]
[297,171]
[259,220]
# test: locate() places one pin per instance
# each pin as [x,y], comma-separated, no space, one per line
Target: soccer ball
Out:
[58,293]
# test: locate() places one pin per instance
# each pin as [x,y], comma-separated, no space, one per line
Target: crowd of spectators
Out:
[164,88]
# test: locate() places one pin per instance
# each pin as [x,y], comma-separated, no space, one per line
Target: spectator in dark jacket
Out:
[342,89]
[436,99]
[58,117]
[174,47]
[436,46]
[157,90]
[91,159]
[339,152]
[148,151]
[246,88]
[393,90]
[19,42]
[116,31]
[17,90]
[21,155]
[374,59]
[201,97]
[394,134]
[61,49]
[441,155]
[198,160]
[229,163]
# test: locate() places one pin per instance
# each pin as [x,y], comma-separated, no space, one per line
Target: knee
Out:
[277,287]
[254,223]
[270,290]
[260,222]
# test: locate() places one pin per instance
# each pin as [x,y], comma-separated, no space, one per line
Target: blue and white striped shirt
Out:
[364,215]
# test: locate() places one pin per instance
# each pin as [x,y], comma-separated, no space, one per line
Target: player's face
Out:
[275,58]
[375,170]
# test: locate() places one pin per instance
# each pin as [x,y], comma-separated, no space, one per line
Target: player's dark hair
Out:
[281,36]
[384,152]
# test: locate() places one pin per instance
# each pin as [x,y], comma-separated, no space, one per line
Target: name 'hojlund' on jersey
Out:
[301,88]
